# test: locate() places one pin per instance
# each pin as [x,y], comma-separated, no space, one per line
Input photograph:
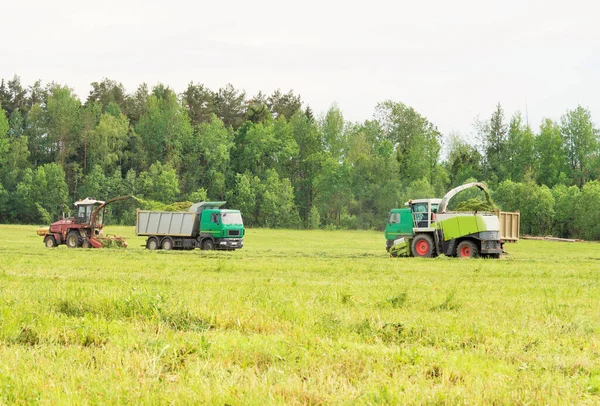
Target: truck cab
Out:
[223,228]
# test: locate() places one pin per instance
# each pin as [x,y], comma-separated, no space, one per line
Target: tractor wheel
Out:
[167,244]
[467,249]
[73,239]
[208,245]
[86,244]
[422,246]
[152,244]
[50,241]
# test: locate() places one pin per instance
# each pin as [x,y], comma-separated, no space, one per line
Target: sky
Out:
[452,61]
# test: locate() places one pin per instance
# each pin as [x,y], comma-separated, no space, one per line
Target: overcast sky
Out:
[450,60]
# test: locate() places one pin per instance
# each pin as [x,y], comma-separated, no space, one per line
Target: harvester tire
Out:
[208,245]
[73,239]
[167,244]
[152,244]
[467,249]
[50,241]
[422,246]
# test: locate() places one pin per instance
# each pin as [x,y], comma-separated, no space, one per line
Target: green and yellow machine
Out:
[426,229]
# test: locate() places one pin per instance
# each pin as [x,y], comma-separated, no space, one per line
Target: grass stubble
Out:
[297,317]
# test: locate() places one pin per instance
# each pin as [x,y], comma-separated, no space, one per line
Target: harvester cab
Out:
[85,208]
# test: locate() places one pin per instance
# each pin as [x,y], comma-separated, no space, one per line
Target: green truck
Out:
[426,229]
[205,225]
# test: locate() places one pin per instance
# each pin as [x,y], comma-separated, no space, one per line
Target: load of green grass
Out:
[159,206]
[476,205]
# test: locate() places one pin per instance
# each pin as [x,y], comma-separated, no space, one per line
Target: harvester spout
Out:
[444,203]
[99,242]
[103,205]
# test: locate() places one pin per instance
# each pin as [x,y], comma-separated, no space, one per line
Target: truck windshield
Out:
[232,218]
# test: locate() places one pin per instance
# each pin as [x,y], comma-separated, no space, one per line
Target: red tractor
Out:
[83,230]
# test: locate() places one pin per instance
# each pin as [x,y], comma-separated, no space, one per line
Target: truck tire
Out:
[467,249]
[422,246]
[167,244]
[208,245]
[152,244]
[73,239]
[50,241]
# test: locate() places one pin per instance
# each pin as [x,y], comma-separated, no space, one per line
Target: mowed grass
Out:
[297,317]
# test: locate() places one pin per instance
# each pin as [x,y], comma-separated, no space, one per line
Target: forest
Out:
[280,163]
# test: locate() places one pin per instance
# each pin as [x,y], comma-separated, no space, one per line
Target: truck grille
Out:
[233,232]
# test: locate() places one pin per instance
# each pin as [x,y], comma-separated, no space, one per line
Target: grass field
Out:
[297,317]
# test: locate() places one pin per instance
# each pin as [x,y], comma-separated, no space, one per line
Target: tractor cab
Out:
[417,216]
[423,212]
[85,208]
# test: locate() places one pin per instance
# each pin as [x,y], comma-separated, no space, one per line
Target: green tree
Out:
[4,140]
[199,103]
[332,127]
[520,153]
[160,183]
[580,139]
[36,130]
[108,92]
[492,135]
[229,106]
[464,162]
[565,199]
[333,191]
[587,212]
[284,105]
[551,157]
[277,208]
[308,162]
[243,196]
[375,184]
[164,127]
[107,141]
[63,123]
[16,124]
[207,158]
[416,140]
[41,195]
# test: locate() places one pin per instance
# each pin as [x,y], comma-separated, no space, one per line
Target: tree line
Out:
[271,157]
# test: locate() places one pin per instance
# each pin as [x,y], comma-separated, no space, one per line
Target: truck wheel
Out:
[73,240]
[152,243]
[50,241]
[422,246]
[467,249]
[208,245]
[167,244]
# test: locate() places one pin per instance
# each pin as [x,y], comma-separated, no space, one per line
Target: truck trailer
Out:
[205,225]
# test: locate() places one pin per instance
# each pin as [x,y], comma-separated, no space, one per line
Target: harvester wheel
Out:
[50,241]
[152,243]
[167,244]
[208,245]
[73,239]
[422,246]
[467,249]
